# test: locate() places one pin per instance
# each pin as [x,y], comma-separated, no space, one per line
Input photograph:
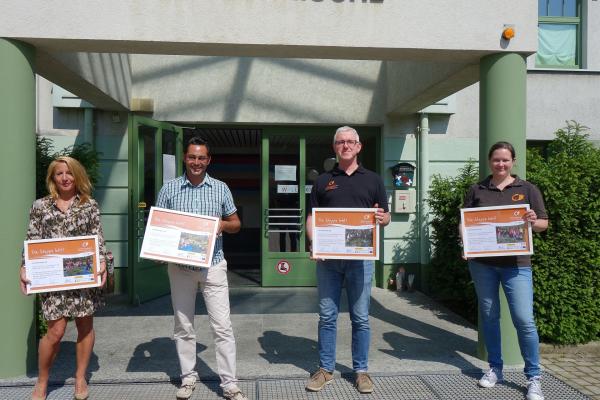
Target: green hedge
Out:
[450,281]
[566,263]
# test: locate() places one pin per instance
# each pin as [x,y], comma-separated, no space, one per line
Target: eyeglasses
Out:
[349,143]
[199,158]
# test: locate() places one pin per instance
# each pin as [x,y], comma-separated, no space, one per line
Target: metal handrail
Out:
[284,220]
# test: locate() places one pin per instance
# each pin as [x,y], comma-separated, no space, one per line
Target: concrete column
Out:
[502,116]
[423,189]
[17,172]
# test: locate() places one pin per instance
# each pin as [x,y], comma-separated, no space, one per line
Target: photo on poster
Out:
[510,233]
[74,266]
[195,243]
[359,237]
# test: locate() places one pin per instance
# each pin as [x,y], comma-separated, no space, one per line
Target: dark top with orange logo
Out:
[486,194]
[361,189]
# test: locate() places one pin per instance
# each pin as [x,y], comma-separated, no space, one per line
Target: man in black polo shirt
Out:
[347,185]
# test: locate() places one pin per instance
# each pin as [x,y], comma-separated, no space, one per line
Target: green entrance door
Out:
[155,157]
[292,158]
[285,261]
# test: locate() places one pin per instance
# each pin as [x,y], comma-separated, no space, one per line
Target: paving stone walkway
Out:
[578,367]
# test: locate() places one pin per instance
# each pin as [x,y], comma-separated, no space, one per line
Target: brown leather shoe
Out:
[318,380]
[364,384]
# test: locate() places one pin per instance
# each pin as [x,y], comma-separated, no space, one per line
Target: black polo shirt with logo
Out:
[361,189]
[486,194]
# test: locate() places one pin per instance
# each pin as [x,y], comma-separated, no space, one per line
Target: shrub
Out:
[450,281]
[44,151]
[566,263]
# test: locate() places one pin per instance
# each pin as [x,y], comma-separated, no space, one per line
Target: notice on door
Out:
[285,173]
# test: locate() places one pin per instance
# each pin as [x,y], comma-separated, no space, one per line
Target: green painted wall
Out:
[17,171]
[447,154]
[112,192]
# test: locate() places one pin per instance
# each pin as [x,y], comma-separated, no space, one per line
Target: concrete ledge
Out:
[590,349]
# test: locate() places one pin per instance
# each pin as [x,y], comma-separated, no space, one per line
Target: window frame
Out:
[578,36]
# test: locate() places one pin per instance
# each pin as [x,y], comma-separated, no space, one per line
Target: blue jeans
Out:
[518,286]
[358,275]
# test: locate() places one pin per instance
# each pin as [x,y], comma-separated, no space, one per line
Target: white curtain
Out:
[557,45]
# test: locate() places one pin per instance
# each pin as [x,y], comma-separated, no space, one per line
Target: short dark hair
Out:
[502,145]
[197,141]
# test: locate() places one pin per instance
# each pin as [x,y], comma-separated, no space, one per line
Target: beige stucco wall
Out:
[261,90]
[384,29]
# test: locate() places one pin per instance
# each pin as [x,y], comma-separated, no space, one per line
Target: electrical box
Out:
[405,201]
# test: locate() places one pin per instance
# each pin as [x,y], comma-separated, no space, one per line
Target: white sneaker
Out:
[185,390]
[490,378]
[234,394]
[534,389]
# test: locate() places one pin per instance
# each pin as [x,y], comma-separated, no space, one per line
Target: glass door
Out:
[155,158]
[292,158]
[285,261]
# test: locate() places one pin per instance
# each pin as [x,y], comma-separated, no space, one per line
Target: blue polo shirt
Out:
[212,197]
[361,189]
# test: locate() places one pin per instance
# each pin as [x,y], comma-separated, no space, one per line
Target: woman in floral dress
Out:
[67,211]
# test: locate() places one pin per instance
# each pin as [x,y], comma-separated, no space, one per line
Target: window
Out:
[559,33]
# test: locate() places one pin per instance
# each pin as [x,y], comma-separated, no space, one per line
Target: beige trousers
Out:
[215,290]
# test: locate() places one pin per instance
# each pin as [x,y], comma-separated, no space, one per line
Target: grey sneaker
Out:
[185,390]
[318,380]
[534,389]
[234,394]
[363,384]
[490,378]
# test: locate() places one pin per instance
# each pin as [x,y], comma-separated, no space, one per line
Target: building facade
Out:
[267,83]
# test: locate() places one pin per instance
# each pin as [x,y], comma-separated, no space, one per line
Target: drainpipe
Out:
[88,127]
[423,189]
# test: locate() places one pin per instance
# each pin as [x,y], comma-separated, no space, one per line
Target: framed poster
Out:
[62,264]
[496,231]
[180,237]
[345,233]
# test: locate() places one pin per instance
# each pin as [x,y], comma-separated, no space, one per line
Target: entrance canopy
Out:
[413,53]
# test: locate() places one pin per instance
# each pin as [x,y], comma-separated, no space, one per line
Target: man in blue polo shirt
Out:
[196,192]
[347,185]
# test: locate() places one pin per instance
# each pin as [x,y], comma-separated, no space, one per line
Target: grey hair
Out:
[346,128]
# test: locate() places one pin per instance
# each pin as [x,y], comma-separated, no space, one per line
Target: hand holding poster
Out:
[62,264]
[345,233]
[496,231]
[179,237]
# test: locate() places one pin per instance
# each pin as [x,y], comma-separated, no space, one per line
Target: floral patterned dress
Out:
[47,221]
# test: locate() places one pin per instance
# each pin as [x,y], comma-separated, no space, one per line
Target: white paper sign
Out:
[169,168]
[285,173]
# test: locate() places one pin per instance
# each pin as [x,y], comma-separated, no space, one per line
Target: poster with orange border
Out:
[180,237]
[62,264]
[345,234]
[496,231]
